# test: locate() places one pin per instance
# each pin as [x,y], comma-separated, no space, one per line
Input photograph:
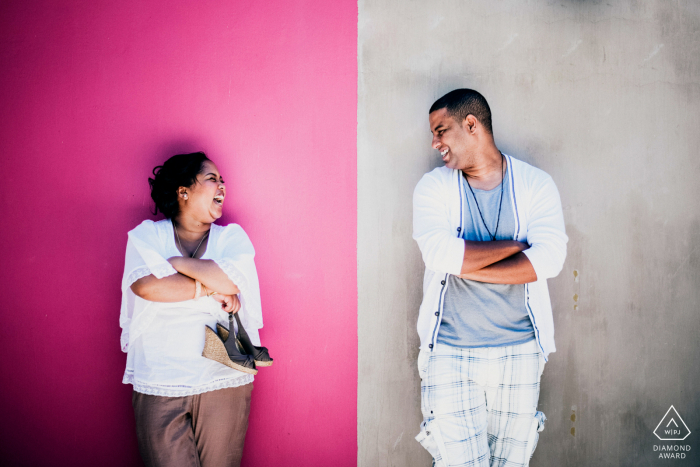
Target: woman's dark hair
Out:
[179,170]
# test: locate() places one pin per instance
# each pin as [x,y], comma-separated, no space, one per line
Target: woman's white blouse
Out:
[164,341]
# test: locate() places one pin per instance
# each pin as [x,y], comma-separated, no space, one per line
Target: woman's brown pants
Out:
[205,430]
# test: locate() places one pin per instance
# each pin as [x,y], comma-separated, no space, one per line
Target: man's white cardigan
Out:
[437,227]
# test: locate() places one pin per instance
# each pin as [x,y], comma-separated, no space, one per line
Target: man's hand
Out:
[229,303]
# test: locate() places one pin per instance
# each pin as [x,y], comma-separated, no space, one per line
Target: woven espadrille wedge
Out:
[226,353]
[260,354]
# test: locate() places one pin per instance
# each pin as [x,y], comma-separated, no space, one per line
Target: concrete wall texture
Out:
[605,97]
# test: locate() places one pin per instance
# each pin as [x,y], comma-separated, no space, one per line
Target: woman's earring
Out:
[184,195]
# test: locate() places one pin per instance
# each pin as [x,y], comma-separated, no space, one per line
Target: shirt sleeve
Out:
[143,258]
[144,254]
[441,249]
[236,257]
[545,231]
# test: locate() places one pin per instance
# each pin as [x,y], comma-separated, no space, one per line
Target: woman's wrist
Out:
[208,293]
[197,289]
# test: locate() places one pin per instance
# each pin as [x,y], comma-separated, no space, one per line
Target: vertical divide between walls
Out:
[95,94]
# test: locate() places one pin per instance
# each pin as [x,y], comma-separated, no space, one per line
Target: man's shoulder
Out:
[442,172]
[437,176]
[531,178]
[528,170]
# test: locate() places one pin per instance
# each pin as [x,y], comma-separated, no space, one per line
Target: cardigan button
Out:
[430,346]
[459,229]
[437,313]
[443,282]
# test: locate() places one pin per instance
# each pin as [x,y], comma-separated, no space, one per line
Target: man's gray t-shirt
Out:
[479,314]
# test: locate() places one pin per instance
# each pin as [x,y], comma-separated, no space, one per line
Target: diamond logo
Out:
[672,427]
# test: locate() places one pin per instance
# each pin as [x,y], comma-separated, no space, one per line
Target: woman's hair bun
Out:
[179,170]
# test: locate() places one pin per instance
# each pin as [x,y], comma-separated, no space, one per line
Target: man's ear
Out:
[469,123]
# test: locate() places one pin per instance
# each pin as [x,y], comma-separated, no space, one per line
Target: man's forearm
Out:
[478,255]
[516,269]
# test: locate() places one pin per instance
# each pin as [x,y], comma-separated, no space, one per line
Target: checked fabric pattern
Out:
[480,405]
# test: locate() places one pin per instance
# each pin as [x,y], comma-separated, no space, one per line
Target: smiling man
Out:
[491,232]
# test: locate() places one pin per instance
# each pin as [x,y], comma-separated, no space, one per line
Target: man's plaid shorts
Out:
[480,405]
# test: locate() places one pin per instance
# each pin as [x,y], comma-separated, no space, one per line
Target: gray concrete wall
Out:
[606,98]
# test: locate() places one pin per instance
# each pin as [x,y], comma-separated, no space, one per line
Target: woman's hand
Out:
[229,303]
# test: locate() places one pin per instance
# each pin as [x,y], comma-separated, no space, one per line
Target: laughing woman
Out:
[184,277]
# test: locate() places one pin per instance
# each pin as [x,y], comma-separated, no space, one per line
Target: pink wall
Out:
[94,94]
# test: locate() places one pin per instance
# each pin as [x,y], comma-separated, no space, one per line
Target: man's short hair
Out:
[462,102]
